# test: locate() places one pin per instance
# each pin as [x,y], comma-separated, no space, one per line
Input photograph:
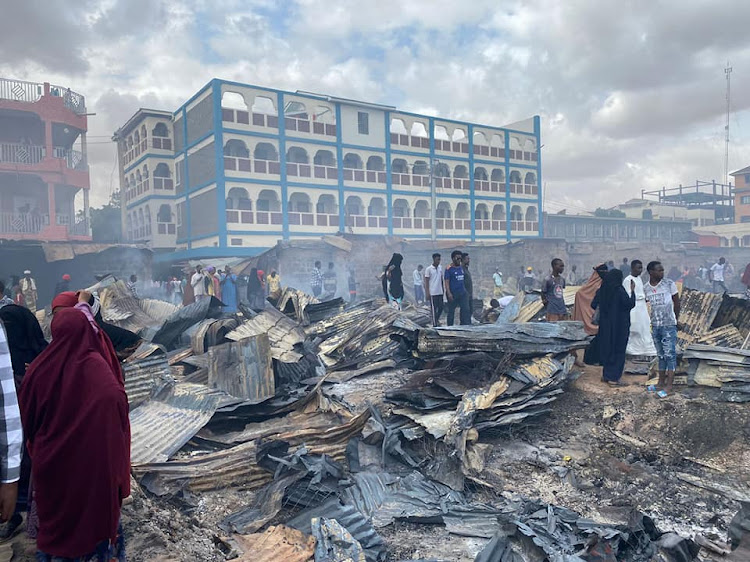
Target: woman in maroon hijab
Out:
[75,418]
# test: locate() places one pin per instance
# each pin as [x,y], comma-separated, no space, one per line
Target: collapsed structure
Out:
[343,421]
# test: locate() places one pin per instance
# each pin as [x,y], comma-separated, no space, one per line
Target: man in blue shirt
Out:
[455,290]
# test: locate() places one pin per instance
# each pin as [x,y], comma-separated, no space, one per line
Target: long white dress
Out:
[640,341]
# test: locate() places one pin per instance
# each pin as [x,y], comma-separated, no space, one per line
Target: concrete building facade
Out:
[43,166]
[590,228]
[742,195]
[242,167]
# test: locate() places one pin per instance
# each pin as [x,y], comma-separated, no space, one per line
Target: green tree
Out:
[610,213]
[106,222]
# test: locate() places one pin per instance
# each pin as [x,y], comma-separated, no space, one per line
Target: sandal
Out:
[651,388]
[662,394]
[617,383]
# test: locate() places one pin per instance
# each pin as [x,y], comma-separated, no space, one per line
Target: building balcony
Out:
[32,92]
[30,155]
[34,225]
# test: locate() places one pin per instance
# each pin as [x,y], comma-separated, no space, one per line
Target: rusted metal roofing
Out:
[283,334]
[725,336]
[736,312]
[160,427]
[276,543]
[243,369]
[697,313]
[144,377]
[294,303]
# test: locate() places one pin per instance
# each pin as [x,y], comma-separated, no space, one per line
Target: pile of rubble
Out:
[344,421]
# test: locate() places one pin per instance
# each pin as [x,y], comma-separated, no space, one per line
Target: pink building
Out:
[43,165]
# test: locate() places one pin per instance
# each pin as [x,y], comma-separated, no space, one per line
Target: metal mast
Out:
[728,72]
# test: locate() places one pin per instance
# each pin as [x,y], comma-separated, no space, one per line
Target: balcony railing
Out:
[74,159]
[18,90]
[34,223]
[73,101]
[18,153]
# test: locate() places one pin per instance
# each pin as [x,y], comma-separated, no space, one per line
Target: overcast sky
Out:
[631,94]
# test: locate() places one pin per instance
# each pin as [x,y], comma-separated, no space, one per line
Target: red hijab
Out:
[69,299]
[75,418]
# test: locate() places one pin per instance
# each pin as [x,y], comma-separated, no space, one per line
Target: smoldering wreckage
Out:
[318,431]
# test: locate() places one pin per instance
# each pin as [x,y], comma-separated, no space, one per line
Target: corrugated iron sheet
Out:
[294,303]
[158,310]
[144,377]
[120,308]
[283,334]
[736,312]
[243,369]
[697,313]
[725,336]
[276,543]
[163,425]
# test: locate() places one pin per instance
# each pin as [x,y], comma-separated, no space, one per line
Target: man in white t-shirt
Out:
[664,304]
[418,280]
[717,274]
[433,286]
[199,284]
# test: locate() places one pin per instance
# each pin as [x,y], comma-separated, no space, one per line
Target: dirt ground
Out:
[601,452]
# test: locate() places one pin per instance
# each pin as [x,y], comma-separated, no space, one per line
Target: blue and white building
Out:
[239,167]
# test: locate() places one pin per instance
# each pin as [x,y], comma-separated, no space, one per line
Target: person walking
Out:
[497,279]
[28,289]
[198,283]
[433,287]
[418,280]
[553,293]
[255,290]
[229,290]
[395,281]
[455,290]
[316,280]
[717,275]
[614,304]
[274,286]
[625,267]
[664,302]
[640,342]
[73,402]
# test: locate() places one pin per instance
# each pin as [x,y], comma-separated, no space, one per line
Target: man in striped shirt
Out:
[11,436]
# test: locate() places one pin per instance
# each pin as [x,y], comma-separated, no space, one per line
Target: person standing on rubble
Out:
[614,304]
[274,287]
[395,278]
[75,418]
[553,290]
[132,287]
[330,282]
[418,280]
[28,288]
[717,275]
[255,290]
[229,290]
[468,282]
[497,279]
[433,286]
[316,280]
[640,342]
[664,301]
[198,283]
[455,290]
[352,282]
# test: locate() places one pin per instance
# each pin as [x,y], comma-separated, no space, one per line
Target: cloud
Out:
[631,95]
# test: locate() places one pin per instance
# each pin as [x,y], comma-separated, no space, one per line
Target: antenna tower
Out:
[728,72]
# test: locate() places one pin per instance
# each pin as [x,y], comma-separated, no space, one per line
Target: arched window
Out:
[324,114]
[515,213]
[144,134]
[441,133]
[145,171]
[442,170]
[130,142]
[160,130]
[299,203]
[268,200]
[531,215]
[264,106]
[398,127]
[136,137]
[353,161]
[233,100]
[481,212]
[353,206]
[375,164]
[419,130]
[530,179]
[164,214]
[325,158]
[443,210]
[480,174]
[420,168]
[480,138]
[515,177]
[162,171]
[421,209]
[498,175]
[236,148]
[460,171]
[266,151]
[377,207]
[401,208]
[297,155]
[498,141]
[147,218]
[296,109]
[326,205]
[459,135]
[138,178]
[498,213]
[399,166]
[462,210]
[237,198]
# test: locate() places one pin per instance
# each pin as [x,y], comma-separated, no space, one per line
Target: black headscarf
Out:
[25,337]
[253,283]
[602,270]
[608,292]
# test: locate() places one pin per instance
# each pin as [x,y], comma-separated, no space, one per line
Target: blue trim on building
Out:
[183,108]
[507,186]
[221,195]
[282,163]
[388,176]
[186,179]
[340,171]
[537,130]
[472,196]
[130,167]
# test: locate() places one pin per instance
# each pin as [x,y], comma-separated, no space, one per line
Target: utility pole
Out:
[728,72]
